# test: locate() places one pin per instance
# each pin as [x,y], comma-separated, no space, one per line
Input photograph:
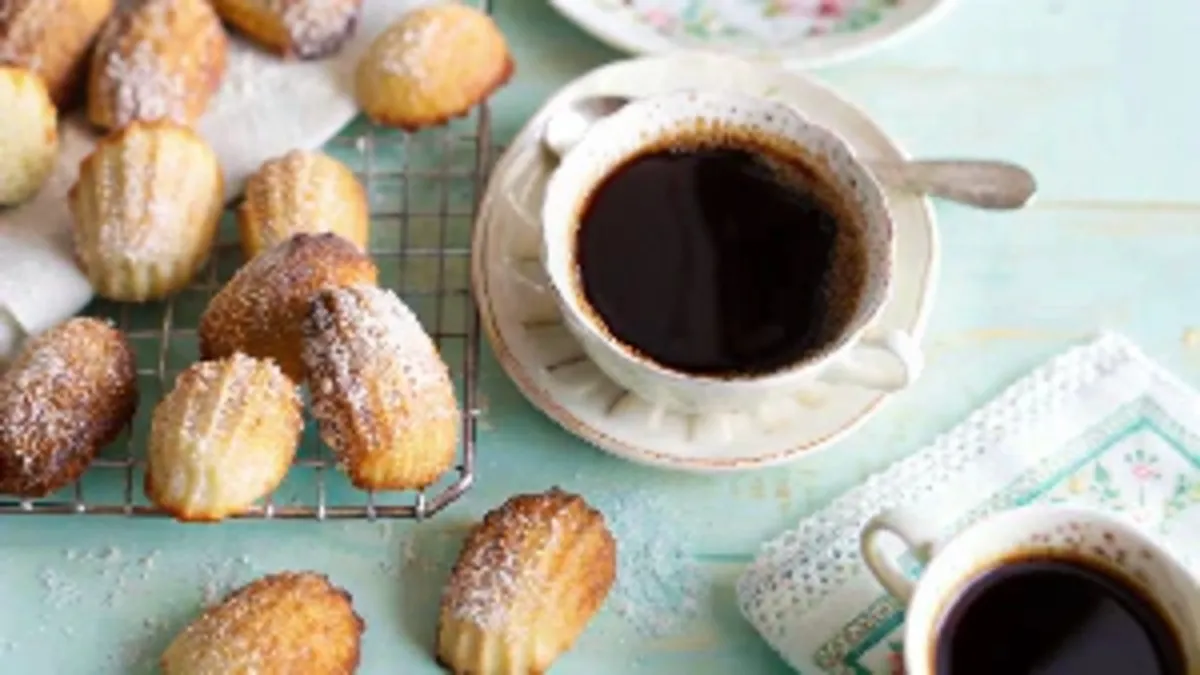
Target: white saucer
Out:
[801,34]
[521,319]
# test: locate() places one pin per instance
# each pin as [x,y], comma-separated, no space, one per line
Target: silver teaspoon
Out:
[986,184]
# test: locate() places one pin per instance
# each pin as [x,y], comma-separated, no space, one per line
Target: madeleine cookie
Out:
[70,392]
[261,309]
[527,582]
[146,207]
[305,29]
[51,38]
[289,623]
[222,439]
[381,394]
[157,60]
[302,192]
[433,65]
[28,135]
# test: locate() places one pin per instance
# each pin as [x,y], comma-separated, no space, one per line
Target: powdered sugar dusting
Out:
[143,87]
[46,395]
[141,84]
[406,49]
[142,208]
[300,192]
[660,588]
[503,566]
[275,623]
[317,26]
[26,398]
[195,460]
[21,42]
[360,330]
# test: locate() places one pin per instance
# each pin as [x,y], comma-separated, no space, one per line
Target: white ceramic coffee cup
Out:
[1108,542]
[649,123]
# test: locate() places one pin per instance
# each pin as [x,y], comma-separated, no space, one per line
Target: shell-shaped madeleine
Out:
[28,135]
[261,310]
[305,29]
[222,439]
[381,394]
[146,207]
[68,393]
[51,38]
[527,582]
[434,64]
[156,60]
[302,192]
[288,623]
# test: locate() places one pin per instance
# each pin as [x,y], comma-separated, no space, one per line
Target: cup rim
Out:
[563,287]
[924,596]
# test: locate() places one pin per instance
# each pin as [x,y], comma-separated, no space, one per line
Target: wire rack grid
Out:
[423,191]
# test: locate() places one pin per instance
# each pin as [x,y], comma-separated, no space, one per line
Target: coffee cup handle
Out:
[897,344]
[910,529]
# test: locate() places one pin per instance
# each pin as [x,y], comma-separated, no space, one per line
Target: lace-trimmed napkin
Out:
[1100,425]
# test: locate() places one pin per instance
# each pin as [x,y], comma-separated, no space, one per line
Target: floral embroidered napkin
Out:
[1101,425]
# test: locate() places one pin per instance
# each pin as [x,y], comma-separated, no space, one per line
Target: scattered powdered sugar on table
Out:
[60,591]
[222,577]
[660,588]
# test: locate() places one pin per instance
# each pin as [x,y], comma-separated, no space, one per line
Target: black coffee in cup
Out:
[1055,616]
[723,258]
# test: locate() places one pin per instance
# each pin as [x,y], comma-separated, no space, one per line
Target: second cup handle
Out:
[908,527]
[898,345]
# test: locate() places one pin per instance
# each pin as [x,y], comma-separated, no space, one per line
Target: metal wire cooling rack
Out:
[423,190]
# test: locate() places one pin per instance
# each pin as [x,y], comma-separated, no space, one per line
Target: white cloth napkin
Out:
[1100,425]
[266,107]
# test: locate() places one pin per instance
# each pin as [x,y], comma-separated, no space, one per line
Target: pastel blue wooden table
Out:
[1098,97]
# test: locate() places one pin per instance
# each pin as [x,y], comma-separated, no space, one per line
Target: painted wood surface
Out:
[1098,97]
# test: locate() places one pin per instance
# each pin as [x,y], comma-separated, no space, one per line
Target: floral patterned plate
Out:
[798,33]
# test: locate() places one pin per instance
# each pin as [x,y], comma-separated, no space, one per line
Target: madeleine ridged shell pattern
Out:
[52,38]
[381,394]
[223,438]
[146,207]
[157,60]
[527,582]
[70,392]
[302,191]
[288,623]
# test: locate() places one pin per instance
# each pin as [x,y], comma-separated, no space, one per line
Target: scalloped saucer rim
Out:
[545,362]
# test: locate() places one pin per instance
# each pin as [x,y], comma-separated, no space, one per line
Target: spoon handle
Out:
[985,184]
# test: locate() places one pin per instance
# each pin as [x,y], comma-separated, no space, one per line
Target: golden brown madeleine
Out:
[146,207]
[156,60]
[433,65]
[302,191]
[527,582]
[261,309]
[288,623]
[70,392]
[223,438]
[51,38]
[305,29]
[28,135]
[381,394]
